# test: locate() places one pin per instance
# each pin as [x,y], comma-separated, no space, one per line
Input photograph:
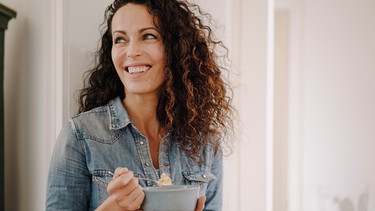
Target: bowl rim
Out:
[170,188]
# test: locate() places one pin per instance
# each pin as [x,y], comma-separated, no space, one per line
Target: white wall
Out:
[27,61]
[82,36]
[331,103]
[338,103]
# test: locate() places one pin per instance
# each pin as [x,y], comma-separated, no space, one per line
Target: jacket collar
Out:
[119,117]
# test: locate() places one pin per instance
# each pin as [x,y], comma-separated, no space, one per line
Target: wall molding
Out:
[58,81]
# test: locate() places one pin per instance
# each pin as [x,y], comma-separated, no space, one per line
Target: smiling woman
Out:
[156,102]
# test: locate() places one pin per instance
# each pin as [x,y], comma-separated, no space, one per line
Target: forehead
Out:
[132,15]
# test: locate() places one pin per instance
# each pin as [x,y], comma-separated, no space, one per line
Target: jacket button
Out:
[204,176]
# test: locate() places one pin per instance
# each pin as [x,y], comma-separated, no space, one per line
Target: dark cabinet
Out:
[5,15]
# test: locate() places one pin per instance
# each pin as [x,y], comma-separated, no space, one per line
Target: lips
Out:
[137,69]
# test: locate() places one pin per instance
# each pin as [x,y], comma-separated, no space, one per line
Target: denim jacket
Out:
[94,143]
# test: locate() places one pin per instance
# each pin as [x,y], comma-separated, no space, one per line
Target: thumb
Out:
[200,203]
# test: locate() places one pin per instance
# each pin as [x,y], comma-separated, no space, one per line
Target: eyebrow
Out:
[140,30]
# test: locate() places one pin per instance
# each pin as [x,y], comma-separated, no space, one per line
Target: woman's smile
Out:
[137,69]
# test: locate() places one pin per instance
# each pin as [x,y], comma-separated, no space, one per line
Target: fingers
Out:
[130,201]
[200,203]
[120,171]
[125,190]
[122,177]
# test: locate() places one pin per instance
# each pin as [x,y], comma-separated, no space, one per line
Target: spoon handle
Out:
[105,183]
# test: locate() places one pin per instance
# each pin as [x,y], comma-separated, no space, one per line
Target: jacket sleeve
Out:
[69,180]
[214,194]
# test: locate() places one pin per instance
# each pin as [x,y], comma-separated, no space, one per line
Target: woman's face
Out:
[138,50]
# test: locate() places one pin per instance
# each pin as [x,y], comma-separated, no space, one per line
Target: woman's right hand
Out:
[125,191]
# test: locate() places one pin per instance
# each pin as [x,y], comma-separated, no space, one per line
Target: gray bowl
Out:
[171,198]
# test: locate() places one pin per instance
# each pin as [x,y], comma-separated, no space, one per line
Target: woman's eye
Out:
[149,36]
[118,40]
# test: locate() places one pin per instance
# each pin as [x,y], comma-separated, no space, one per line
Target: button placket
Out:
[145,157]
[164,156]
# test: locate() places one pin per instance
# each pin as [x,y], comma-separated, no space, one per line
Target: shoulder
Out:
[92,123]
[103,124]
[108,112]
[93,116]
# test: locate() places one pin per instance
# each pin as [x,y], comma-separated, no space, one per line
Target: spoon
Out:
[105,184]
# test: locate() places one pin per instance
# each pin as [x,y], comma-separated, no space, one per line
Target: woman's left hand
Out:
[200,203]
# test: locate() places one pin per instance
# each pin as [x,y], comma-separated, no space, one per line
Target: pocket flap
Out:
[199,177]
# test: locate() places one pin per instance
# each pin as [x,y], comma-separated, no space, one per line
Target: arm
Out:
[109,204]
[215,187]
[69,179]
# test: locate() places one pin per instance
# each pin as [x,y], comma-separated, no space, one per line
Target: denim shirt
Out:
[94,143]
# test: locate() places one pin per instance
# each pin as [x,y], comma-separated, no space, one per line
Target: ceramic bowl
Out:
[171,198]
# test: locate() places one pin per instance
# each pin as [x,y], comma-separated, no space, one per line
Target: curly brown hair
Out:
[195,100]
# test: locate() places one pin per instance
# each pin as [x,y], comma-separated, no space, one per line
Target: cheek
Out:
[116,60]
[161,58]
[158,52]
[115,57]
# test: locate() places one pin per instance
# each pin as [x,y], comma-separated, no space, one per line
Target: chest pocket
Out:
[100,179]
[199,178]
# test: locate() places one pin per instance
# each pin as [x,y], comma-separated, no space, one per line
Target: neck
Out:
[143,113]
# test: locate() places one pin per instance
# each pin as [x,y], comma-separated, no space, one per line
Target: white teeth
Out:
[141,69]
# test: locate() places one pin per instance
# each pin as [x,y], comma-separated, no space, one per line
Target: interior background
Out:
[305,95]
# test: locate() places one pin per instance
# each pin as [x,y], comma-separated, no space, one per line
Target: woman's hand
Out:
[200,203]
[125,191]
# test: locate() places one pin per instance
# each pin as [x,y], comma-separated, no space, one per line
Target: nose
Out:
[134,49]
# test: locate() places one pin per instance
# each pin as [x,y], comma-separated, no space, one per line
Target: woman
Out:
[155,103]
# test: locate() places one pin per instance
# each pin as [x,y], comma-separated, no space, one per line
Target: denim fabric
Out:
[94,143]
